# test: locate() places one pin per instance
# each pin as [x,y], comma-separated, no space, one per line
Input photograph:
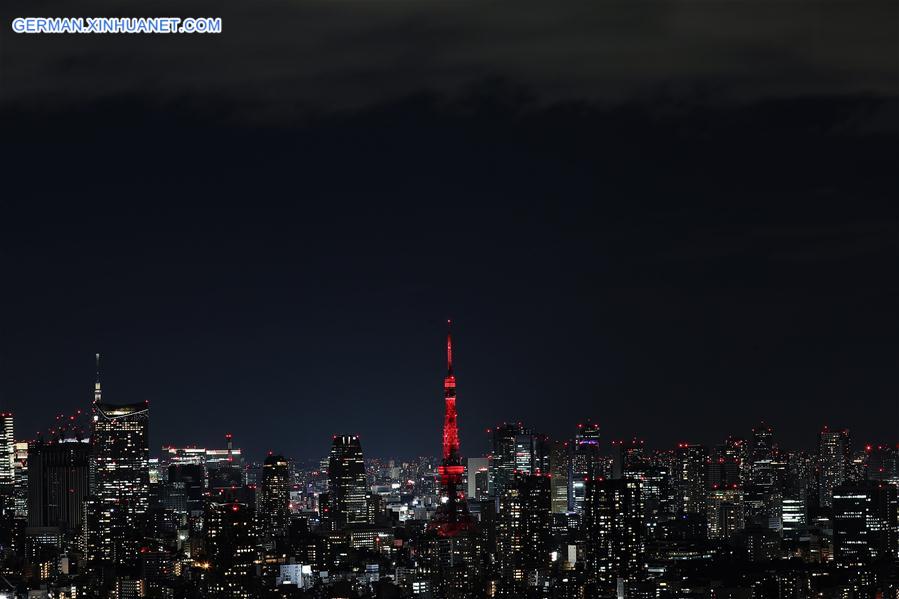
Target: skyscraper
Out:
[516,448]
[629,456]
[724,509]
[794,516]
[761,453]
[691,478]
[502,463]
[7,465]
[58,483]
[883,463]
[834,451]
[347,488]
[185,488]
[21,479]
[273,500]
[121,455]
[586,463]
[478,477]
[614,527]
[559,464]
[230,539]
[865,525]
[523,532]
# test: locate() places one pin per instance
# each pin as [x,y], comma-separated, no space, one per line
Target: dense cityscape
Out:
[89,511]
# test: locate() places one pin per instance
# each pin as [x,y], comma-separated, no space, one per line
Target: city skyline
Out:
[608,439]
[424,299]
[89,511]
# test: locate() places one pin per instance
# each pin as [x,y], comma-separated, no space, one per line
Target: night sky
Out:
[676,218]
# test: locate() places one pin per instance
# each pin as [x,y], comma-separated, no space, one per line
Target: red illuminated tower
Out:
[452,517]
[450,426]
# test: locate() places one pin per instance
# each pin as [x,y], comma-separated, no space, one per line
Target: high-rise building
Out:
[723,470]
[794,516]
[656,494]
[231,545]
[273,499]
[476,467]
[559,465]
[691,461]
[586,463]
[630,456]
[121,470]
[58,483]
[523,532]
[761,455]
[482,484]
[834,451]
[883,463]
[614,527]
[347,488]
[224,467]
[865,526]
[724,509]
[7,466]
[185,489]
[21,479]
[532,453]
[504,456]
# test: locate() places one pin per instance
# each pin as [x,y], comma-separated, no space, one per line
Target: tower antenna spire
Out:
[97,391]
[449,347]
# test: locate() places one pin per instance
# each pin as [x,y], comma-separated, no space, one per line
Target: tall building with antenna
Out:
[121,478]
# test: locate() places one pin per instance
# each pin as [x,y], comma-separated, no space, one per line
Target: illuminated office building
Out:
[185,489]
[523,532]
[586,463]
[724,510]
[795,519]
[865,523]
[7,466]
[761,454]
[559,465]
[21,479]
[502,458]
[224,467]
[478,472]
[834,451]
[231,546]
[690,479]
[58,483]
[883,463]
[629,456]
[273,499]
[614,528]
[347,487]
[121,470]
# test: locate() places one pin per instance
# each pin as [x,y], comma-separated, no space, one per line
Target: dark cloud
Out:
[277,57]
